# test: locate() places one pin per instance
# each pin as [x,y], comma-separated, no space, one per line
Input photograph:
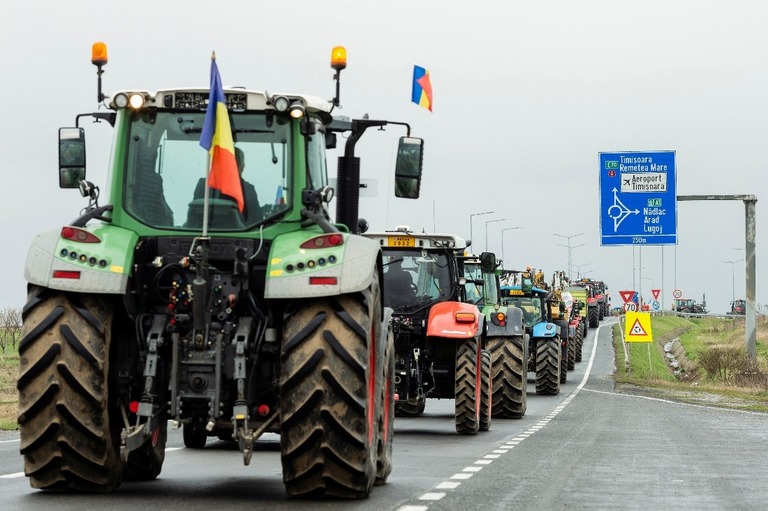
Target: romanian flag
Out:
[422,88]
[217,140]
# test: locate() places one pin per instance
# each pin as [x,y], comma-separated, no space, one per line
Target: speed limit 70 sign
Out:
[630,307]
[677,293]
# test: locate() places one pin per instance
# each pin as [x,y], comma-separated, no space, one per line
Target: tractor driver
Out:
[398,283]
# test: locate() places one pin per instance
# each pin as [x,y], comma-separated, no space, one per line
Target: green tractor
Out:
[504,334]
[226,319]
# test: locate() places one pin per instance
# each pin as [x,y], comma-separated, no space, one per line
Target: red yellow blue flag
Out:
[422,88]
[217,140]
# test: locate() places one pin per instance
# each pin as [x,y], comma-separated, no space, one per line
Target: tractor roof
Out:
[196,99]
[404,239]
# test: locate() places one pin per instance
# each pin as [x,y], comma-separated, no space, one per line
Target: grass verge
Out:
[714,353]
[9,397]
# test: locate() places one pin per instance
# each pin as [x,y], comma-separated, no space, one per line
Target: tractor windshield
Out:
[531,307]
[165,169]
[413,279]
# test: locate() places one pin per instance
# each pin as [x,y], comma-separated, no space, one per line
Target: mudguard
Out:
[442,320]
[295,272]
[513,323]
[544,330]
[564,328]
[103,267]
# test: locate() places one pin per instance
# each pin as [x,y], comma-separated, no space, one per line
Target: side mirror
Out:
[71,157]
[488,262]
[408,167]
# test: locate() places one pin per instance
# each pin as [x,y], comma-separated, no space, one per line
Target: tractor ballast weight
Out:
[267,317]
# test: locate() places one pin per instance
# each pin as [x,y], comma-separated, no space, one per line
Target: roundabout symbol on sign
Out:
[655,305]
[677,293]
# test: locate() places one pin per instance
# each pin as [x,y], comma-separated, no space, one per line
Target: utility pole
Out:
[502,239]
[470,221]
[568,238]
[750,201]
[733,278]
[486,230]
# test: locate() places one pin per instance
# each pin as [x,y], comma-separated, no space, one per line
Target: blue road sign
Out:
[638,198]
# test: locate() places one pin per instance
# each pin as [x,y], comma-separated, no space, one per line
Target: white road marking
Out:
[496,453]
[432,496]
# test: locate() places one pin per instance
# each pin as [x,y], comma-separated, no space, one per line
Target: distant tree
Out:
[10,327]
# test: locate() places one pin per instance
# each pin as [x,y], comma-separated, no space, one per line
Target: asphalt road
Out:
[587,448]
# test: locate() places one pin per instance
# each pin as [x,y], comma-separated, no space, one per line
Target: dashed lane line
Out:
[500,450]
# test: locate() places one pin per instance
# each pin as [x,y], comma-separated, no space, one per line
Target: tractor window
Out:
[415,278]
[166,169]
[491,289]
[531,307]
[473,291]
[318,171]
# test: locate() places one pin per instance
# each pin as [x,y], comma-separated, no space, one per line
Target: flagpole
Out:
[206,197]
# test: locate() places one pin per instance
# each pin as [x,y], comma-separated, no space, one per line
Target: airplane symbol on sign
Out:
[626,182]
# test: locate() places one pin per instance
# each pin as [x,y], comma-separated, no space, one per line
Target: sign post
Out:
[638,201]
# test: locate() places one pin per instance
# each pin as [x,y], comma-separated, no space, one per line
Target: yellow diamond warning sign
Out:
[637,327]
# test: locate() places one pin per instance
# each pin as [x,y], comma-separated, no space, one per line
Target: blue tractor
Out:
[545,346]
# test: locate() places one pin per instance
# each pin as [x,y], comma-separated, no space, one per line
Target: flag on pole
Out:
[422,88]
[217,139]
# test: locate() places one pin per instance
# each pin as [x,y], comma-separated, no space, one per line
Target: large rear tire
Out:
[468,384]
[328,395]
[509,377]
[564,362]
[594,318]
[548,357]
[66,434]
[580,332]
[572,353]
[387,419]
[486,391]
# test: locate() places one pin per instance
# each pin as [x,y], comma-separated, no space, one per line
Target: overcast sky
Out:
[526,96]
